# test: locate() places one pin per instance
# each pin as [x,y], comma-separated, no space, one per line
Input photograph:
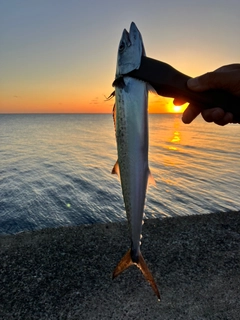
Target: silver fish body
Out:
[131,125]
[132,144]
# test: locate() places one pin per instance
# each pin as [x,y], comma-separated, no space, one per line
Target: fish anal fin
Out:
[127,261]
[123,264]
[151,180]
[116,169]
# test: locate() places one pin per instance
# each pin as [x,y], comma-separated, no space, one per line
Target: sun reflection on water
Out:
[176,136]
[166,143]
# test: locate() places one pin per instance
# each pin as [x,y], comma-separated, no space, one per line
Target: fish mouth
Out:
[133,28]
[126,37]
[131,37]
[135,36]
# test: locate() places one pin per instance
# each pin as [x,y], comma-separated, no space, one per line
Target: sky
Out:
[59,56]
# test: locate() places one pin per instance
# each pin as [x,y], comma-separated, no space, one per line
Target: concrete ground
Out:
[65,273]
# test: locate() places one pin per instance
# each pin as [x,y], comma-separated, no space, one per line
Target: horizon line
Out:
[67,113]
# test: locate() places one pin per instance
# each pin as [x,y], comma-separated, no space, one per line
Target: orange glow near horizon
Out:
[158,104]
[47,105]
[72,101]
[65,103]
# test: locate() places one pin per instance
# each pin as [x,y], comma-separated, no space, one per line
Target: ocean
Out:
[55,170]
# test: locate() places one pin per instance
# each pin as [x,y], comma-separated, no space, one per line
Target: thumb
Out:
[207,81]
[228,80]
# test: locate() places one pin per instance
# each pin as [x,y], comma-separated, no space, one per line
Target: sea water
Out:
[55,170]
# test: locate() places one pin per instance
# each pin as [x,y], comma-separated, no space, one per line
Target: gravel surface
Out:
[65,273]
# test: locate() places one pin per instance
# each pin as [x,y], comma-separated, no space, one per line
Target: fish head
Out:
[130,51]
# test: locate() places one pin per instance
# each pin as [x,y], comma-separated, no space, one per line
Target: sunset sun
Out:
[177,108]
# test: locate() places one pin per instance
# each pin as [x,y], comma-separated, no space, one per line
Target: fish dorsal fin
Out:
[116,169]
[151,180]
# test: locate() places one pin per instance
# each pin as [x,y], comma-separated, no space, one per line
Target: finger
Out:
[213,115]
[228,118]
[178,101]
[229,67]
[190,113]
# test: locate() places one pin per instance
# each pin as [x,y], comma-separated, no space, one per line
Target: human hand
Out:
[226,78]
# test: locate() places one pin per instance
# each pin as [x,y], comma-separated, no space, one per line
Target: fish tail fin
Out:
[123,264]
[147,274]
[127,261]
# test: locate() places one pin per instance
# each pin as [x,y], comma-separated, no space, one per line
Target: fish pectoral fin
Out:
[116,169]
[112,95]
[151,180]
[127,261]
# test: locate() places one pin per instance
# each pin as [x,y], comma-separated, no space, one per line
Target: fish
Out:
[130,114]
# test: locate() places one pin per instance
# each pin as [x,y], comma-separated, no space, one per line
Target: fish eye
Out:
[121,46]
